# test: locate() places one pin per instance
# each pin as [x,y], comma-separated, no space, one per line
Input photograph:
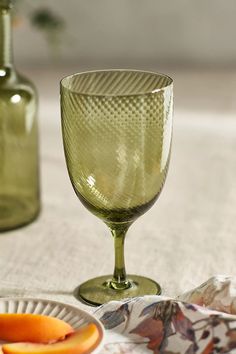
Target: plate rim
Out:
[69,306]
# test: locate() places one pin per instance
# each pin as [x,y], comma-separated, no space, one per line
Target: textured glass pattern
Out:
[117,145]
[117,128]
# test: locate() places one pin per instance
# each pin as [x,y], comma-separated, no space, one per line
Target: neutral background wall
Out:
[183,32]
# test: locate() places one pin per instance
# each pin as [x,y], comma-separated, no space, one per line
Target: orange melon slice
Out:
[32,328]
[80,342]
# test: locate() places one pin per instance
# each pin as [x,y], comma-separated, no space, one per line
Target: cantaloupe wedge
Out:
[80,342]
[32,328]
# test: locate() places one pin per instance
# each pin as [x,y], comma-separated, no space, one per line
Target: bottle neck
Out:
[6,55]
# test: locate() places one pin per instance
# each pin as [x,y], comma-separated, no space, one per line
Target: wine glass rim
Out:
[148,92]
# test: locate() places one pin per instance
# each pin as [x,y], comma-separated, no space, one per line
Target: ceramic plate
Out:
[72,315]
[158,325]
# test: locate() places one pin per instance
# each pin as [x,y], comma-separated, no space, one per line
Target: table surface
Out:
[185,238]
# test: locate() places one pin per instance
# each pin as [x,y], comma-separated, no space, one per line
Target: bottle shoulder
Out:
[11,79]
[13,83]
[16,89]
[25,81]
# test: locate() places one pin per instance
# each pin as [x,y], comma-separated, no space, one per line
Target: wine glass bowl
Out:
[117,129]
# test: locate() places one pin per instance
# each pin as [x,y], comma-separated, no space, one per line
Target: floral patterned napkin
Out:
[200,321]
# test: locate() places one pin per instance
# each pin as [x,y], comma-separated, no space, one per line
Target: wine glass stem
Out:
[119,280]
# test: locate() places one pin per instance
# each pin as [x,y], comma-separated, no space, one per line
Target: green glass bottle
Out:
[19,172]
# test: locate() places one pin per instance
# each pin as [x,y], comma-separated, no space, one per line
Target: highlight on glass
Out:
[117,132]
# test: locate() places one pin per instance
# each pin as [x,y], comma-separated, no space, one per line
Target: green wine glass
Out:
[117,130]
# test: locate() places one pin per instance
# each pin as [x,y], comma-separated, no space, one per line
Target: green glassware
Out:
[117,130]
[19,172]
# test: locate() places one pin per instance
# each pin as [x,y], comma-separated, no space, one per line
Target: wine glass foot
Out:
[99,290]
